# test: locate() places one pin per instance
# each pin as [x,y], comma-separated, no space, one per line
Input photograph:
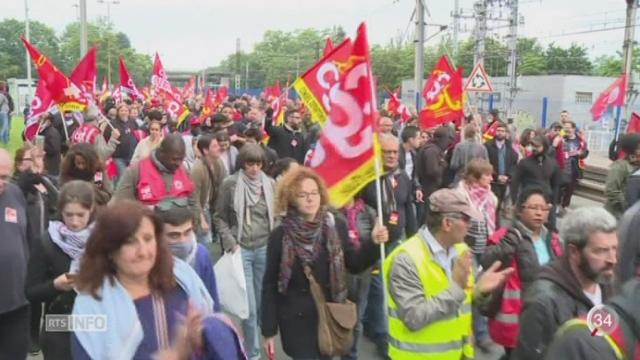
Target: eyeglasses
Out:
[168,204]
[5,178]
[307,195]
[544,208]
[390,152]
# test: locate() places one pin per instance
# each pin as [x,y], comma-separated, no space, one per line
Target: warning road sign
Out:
[478,80]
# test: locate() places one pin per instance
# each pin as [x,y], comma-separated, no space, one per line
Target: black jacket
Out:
[286,142]
[580,344]
[53,150]
[294,314]
[402,160]
[127,146]
[430,167]
[549,302]
[510,160]
[541,171]
[403,194]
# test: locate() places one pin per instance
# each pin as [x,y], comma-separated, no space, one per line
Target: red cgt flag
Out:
[127,85]
[613,95]
[85,74]
[396,107]
[222,94]
[189,89]
[328,47]
[443,94]
[314,85]
[63,91]
[345,153]
[40,104]
[634,123]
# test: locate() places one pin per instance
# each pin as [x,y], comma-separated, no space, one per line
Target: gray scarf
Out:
[247,194]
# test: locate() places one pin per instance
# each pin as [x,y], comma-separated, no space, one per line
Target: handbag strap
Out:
[316,290]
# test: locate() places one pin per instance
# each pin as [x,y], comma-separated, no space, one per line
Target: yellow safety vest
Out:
[444,339]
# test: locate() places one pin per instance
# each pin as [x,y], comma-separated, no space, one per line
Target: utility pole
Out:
[629,41]
[246,75]
[480,31]
[419,59]
[108,2]
[513,56]
[26,34]
[297,66]
[456,26]
[83,27]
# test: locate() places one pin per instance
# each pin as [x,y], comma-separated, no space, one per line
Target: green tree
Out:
[12,52]
[571,60]
[531,57]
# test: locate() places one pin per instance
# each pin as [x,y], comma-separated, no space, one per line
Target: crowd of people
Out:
[123,214]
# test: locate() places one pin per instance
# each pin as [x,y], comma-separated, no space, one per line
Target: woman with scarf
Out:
[83,163]
[308,236]
[55,260]
[244,218]
[476,185]
[149,143]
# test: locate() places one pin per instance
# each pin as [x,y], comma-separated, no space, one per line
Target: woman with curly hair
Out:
[309,236]
[83,163]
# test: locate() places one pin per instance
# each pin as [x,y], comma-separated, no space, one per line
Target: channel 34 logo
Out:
[75,323]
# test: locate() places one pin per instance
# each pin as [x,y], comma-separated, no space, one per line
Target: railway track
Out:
[592,185]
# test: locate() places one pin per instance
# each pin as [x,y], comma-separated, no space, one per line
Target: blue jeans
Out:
[4,128]
[480,323]
[363,282]
[254,262]
[122,166]
[205,237]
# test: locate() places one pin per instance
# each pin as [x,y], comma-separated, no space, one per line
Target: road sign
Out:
[479,80]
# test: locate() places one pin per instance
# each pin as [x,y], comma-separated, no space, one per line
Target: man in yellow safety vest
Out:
[431,284]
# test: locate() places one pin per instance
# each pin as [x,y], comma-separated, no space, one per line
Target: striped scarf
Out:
[482,198]
[304,239]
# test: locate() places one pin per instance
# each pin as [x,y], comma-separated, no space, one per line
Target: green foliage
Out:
[65,50]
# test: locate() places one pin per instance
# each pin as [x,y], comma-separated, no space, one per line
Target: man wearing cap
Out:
[431,284]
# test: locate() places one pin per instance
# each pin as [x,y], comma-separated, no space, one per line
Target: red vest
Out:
[151,187]
[504,327]
[86,133]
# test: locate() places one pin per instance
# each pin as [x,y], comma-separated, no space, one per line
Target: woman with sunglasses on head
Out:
[244,218]
[309,236]
[55,259]
[82,163]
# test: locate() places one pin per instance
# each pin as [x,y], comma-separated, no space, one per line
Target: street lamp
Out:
[109,2]
[26,35]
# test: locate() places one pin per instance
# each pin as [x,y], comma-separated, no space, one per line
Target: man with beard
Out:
[504,161]
[539,170]
[159,176]
[573,283]
[288,140]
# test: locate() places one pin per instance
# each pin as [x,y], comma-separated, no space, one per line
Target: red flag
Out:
[221,94]
[105,85]
[396,107]
[159,80]
[443,95]
[613,95]
[40,104]
[634,123]
[315,84]
[328,47]
[127,85]
[272,92]
[189,89]
[63,91]
[345,153]
[208,107]
[85,73]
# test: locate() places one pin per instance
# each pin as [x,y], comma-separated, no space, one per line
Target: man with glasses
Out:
[526,246]
[14,255]
[573,283]
[431,284]
[288,140]
[159,176]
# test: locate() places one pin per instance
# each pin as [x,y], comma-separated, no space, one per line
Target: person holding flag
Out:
[288,140]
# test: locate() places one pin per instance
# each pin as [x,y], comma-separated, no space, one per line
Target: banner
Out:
[314,85]
[40,104]
[63,92]
[85,74]
[189,89]
[222,93]
[345,153]
[443,94]
[613,95]
[127,85]
[208,107]
[159,80]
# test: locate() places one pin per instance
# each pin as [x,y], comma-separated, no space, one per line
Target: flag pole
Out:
[617,131]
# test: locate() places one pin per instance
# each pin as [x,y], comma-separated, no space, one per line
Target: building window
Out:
[584,97]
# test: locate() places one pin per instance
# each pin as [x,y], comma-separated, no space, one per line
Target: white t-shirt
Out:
[596,297]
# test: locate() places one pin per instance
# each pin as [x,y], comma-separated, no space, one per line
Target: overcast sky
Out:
[193,34]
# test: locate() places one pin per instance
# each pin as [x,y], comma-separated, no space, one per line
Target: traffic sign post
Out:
[478,80]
